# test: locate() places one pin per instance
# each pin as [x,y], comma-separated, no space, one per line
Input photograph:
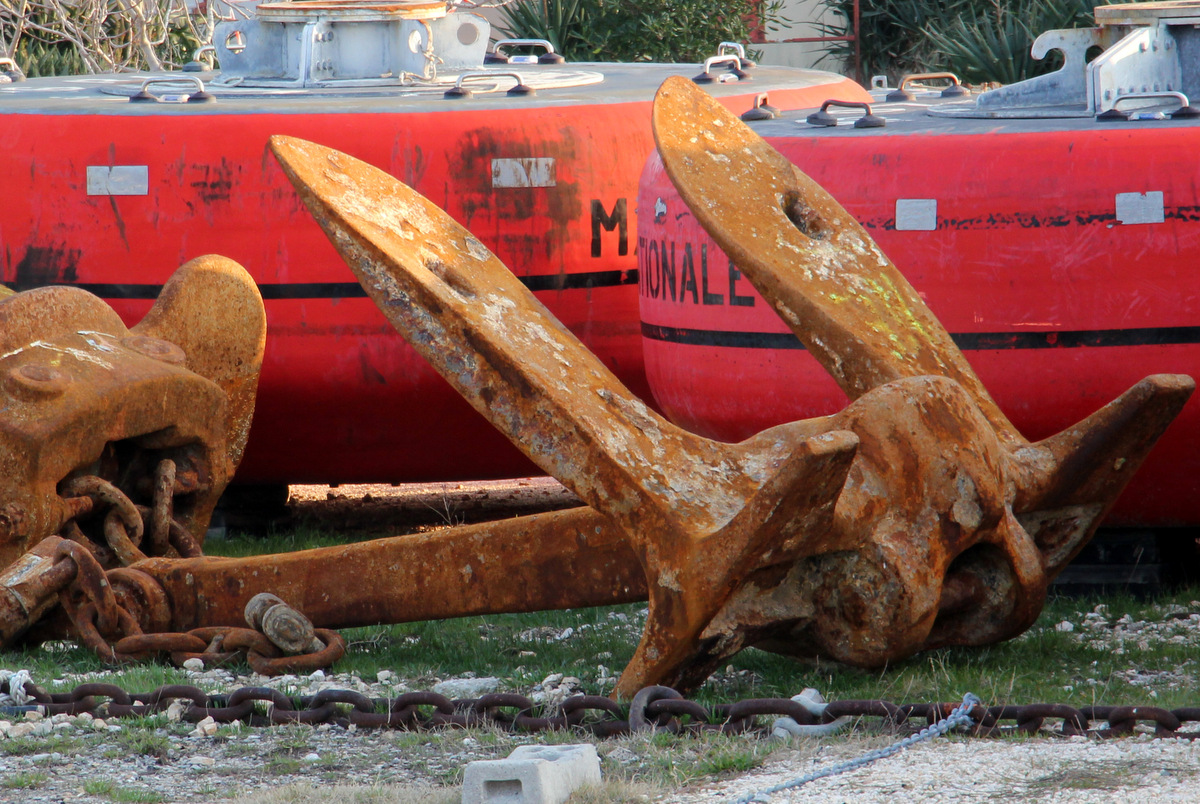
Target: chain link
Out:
[594,714]
[93,598]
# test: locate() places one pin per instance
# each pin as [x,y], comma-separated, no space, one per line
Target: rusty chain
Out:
[657,709]
[101,603]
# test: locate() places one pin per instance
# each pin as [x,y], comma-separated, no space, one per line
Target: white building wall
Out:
[806,18]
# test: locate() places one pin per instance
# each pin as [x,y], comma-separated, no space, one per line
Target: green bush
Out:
[44,58]
[636,30]
[992,43]
[892,34]
[979,40]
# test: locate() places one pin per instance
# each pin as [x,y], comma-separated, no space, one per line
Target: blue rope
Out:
[956,718]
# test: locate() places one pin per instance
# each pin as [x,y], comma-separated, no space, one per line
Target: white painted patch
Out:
[532,172]
[1140,207]
[916,214]
[118,180]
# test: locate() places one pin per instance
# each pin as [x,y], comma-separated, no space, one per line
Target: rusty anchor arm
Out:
[863,321]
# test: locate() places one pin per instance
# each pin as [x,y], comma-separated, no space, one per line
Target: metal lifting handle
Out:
[199,96]
[761,110]
[460,91]
[196,65]
[549,57]
[736,47]
[956,89]
[825,118]
[735,66]
[743,62]
[1185,107]
[11,70]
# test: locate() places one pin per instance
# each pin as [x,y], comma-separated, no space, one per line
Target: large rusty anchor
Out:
[969,568]
[924,546]
[119,440]
[699,515]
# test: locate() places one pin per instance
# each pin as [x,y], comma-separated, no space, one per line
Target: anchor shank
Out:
[560,560]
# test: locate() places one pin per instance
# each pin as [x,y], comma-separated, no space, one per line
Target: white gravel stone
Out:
[454,688]
[205,728]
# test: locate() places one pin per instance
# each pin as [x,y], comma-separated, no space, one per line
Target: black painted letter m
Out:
[618,218]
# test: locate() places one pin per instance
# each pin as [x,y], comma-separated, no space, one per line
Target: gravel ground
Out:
[162,759]
[1138,769]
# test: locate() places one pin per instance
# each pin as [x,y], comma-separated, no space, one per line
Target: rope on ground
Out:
[958,717]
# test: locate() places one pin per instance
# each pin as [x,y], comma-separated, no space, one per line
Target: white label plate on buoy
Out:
[118,180]
[531,172]
[916,214]
[1140,207]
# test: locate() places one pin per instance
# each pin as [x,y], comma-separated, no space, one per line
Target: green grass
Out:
[131,795]
[142,739]
[25,746]
[283,766]
[24,781]
[522,649]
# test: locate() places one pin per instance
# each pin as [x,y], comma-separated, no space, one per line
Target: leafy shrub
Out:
[636,30]
[979,40]
[992,43]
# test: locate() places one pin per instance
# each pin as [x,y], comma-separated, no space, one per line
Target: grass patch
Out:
[283,766]
[1105,776]
[25,746]
[24,781]
[149,743]
[132,795]
[619,792]
[99,787]
[347,794]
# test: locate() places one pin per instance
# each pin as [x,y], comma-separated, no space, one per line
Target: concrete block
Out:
[532,774]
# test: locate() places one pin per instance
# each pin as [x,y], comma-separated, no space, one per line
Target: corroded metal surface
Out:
[93,409]
[698,514]
[925,519]
[975,522]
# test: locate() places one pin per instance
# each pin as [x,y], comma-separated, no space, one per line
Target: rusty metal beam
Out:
[564,559]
